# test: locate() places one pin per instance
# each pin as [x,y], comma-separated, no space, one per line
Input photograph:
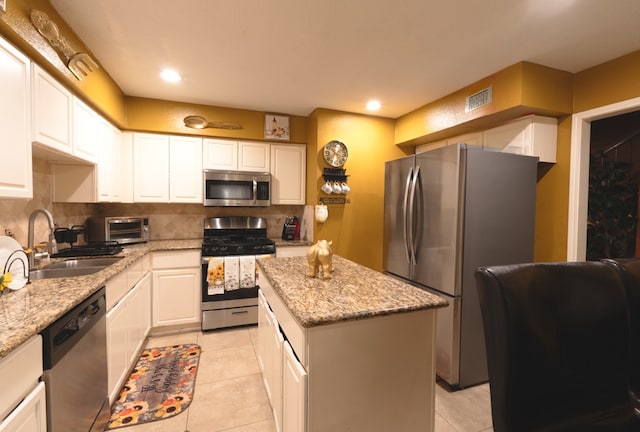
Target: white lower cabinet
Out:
[283,376]
[294,391]
[30,415]
[270,360]
[22,398]
[176,288]
[139,311]
[277,390]
[117,362]
[263,334]
[128,323]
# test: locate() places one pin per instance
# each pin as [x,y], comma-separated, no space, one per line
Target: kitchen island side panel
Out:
[373,375]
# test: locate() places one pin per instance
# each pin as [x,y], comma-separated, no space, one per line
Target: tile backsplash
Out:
[166,221]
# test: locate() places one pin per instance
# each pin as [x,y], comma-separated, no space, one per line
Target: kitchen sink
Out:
[74,267]
[62,272]
[84,263]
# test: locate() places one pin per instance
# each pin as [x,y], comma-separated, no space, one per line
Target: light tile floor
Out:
[229,395]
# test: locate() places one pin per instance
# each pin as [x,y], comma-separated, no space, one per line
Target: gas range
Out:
[230,245]
[226,236]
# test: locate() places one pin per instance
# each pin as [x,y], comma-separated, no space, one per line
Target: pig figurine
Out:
[319,257]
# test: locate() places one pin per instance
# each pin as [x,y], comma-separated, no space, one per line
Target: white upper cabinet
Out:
[167,168]
[16,176]
[86,131]
[531,135]
[253,156]
[185,170]
[109,165]
[150,167]
[227,155]
[219,154]
[64,128]
[288,173]
[472,138]
[52,108]
[126,167]
[102,182]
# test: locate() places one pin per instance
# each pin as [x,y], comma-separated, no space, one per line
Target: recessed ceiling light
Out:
[373,105]
[170,75]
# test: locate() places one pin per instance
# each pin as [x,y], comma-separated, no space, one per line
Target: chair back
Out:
[629,271]
[557,347]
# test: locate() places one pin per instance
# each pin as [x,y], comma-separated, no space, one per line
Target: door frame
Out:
[579,172]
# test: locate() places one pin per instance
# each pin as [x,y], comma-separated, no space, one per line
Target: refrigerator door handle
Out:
[418,219]
[406,228]
[411,216]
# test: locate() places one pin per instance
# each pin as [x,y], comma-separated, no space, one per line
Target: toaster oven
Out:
[121,229]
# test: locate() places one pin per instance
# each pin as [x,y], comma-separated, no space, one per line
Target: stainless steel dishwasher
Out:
[75,363]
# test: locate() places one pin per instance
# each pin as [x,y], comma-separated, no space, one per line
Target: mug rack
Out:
[334,174]
[331,200]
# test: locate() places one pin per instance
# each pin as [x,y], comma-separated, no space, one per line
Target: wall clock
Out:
[335,153]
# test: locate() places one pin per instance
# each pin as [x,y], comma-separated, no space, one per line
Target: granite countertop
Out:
[28,311]
[353,292]
[280,243]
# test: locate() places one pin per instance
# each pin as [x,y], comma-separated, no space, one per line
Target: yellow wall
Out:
[97,89]
[608,83]
[152,115]
[100,91]
[520,89]
[552,200]
[355,228]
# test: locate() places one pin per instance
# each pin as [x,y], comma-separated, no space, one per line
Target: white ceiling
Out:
[291,56]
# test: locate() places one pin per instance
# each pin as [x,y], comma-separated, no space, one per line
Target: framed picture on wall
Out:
[276,127]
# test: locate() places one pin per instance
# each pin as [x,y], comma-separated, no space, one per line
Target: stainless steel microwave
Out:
[236,189]
[122,229]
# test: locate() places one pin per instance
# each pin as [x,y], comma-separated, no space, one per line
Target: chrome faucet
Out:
[52,247]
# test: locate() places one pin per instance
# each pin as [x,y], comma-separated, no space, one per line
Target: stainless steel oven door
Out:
[228,308]
[227,296]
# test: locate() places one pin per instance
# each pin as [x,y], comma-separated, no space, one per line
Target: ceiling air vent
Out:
[476,100]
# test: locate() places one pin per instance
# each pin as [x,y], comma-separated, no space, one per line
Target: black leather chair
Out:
[557,347]
[629,270]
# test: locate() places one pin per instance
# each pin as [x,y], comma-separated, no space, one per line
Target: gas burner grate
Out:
[92,249]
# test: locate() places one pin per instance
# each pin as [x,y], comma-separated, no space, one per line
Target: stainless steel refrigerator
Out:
[447,212]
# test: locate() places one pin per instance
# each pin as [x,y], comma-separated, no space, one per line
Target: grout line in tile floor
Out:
[229,396]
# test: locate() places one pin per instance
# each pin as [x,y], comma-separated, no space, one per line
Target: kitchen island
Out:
[355,352]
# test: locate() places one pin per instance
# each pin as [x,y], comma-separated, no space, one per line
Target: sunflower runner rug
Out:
[160,386]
